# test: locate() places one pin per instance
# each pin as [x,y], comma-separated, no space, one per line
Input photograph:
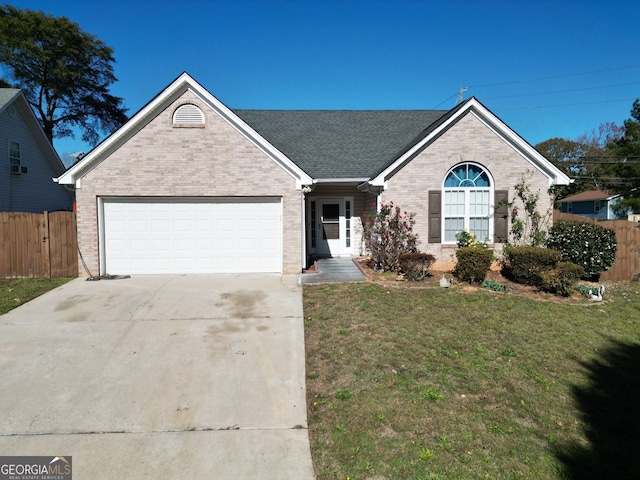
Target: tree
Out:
[64,72]
[586,159]
[566,155]
[627,168]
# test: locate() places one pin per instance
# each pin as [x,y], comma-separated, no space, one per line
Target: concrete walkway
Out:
[181,377]
[334,270]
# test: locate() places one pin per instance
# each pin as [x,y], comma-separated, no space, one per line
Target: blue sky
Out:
[547,68]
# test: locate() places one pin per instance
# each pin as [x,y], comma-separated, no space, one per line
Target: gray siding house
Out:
[596,204]
[28,162]
[189,185]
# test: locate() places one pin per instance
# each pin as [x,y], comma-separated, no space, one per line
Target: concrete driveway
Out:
[194,376]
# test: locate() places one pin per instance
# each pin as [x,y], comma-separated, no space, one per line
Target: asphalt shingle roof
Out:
[330,144]
[7,95]
[588,195]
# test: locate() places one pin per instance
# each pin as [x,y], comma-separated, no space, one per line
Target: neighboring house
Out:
[28,162]
[188,185]
[596,204]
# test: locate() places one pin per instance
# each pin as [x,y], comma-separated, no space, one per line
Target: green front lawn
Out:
[460,383]
[16,291]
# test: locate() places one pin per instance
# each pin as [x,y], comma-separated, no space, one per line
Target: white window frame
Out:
[467,202]
[13,160]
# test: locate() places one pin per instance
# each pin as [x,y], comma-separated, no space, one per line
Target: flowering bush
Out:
[589,245]
[387,234]
[466,239]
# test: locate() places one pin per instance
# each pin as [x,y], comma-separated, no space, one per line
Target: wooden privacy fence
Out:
[627,264]
[42,245]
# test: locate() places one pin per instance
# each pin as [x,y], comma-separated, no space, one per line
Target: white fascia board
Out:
[94,157]
[183,83]
[254,137]
[474,107]
[341,180]
[381,179]
[535,158]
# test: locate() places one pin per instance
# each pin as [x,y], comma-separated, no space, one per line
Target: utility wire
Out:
[444,101]
[555,76]
[532,107]
[561,91]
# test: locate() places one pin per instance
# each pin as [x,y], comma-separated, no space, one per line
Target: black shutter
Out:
[435,205]
[501,217]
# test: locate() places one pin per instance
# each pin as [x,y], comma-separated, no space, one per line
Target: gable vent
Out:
[188,114]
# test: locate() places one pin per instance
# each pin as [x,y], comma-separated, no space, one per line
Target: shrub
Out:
[387,234]
[416,266]
[467,239]
[528,264]
[473,263]
[561,279]
[589,245]
[494,286]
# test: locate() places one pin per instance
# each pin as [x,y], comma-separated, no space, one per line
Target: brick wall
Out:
[469,140]
[162,160]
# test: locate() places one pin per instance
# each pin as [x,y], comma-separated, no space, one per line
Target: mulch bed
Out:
[391,279]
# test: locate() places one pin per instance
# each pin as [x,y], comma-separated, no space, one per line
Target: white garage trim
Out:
[161,235]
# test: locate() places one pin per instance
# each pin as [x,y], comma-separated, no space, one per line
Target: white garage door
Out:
[147,236]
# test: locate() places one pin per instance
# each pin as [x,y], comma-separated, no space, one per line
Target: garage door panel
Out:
[192,236]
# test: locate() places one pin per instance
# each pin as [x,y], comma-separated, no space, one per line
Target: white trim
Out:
[101,236]
[555,175]
[303,212]
[340,180]
[181,85]
[491,189]
[102,200]
[341,200]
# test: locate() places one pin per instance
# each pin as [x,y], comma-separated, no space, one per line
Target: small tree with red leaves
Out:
[387,234]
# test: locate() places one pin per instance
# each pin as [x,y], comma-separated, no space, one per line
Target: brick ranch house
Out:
[189,185]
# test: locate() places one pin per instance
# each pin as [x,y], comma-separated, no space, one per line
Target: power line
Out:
[567,75]
[561,91]
[533,107]
[444,101]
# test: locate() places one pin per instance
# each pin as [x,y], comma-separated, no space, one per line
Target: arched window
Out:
[466,202]
[188,114]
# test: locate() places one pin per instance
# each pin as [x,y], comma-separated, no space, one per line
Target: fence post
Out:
[46,253]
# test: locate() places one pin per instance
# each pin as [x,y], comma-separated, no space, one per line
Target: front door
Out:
[329,227]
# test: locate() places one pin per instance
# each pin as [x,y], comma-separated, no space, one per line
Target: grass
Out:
[466,383]
[16,291]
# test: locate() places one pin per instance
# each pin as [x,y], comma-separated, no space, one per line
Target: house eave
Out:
[179,86]
[474,107]
[354,181]
[21,102]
